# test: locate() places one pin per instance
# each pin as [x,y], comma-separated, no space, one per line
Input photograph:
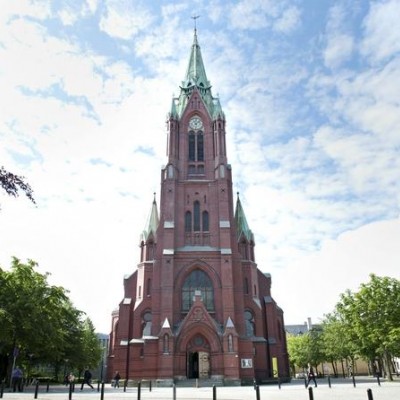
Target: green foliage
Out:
[372,315]
[40,320]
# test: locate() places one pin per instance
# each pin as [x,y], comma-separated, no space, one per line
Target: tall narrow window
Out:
[246,286]
[200,146]
[188,221]
[230,343]
[166,344]
[205,221]
[196,216]
[192,146]
[148,287]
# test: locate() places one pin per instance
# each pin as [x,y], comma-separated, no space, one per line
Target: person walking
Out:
[117,378]
[87,378]
[16,378]
[311,377]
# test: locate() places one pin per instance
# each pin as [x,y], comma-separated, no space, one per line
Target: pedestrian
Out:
[311,377]
[117,377]
[16,378]
[87,378]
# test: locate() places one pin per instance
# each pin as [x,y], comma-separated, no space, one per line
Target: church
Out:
[197,306]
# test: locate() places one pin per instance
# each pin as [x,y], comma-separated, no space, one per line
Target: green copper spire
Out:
[241,222]
[152,222]
[196,78]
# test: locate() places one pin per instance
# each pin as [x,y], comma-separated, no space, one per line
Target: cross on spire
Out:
[194,19]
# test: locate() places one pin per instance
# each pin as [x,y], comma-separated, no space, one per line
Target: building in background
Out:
[197,305]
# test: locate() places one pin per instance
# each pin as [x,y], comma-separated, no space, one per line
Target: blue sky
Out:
[310,90]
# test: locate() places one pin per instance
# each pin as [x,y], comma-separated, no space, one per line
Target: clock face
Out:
[196,123]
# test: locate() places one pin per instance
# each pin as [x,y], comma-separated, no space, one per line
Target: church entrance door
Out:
[198,365]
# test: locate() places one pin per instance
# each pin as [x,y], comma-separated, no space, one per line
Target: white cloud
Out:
[123,20]
[339,49]
[313,283]
[381,33]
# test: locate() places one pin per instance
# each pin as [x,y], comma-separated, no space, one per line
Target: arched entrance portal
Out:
[198,358]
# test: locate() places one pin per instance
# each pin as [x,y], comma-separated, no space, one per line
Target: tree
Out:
[337,342]
[39,319]
[372,317]
[12,184]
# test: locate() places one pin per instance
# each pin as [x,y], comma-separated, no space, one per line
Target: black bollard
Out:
[329,381]
[378,379]
[174,392]
[139,388]
[354,380]
[214,392]
[369,394]
[305,382]
[1,389]
[102,391]
[71,389]
[258,392]
[48,387]
[310,393]
[150,386]
[279,383]
[125,384]
[36,390]
[254,383]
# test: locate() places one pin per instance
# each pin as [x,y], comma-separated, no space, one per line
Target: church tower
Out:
[197,306]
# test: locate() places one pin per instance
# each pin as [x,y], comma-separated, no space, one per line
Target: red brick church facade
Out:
[197,306]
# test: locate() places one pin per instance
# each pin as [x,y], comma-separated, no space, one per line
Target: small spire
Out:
[241,221]
[152,221]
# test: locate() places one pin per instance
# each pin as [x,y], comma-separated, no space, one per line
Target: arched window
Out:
[250,323]
[200,146]
[192,146]
[230,342]
[246,286]
[148,287]
[205,221]
[196,216]
[147,318]
[188,221]
[197,280]
[166,344]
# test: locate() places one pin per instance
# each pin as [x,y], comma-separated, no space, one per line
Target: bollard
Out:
[174,392]
[36,390]
[125,384]
[197,382]
[279,383]
[305,382]
[102,391]
[254,383]
[139,388]
[150,386]
[310,393]
[258,392]
[378,379]
[48,387]
[71,389]
[329,381]
[369,394]
[98,386]
[354,381]
[1,389]
[214,392]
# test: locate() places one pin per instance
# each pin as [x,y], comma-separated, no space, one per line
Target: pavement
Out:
[339,389]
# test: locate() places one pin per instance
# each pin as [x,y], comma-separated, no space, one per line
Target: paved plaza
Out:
[341,389]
